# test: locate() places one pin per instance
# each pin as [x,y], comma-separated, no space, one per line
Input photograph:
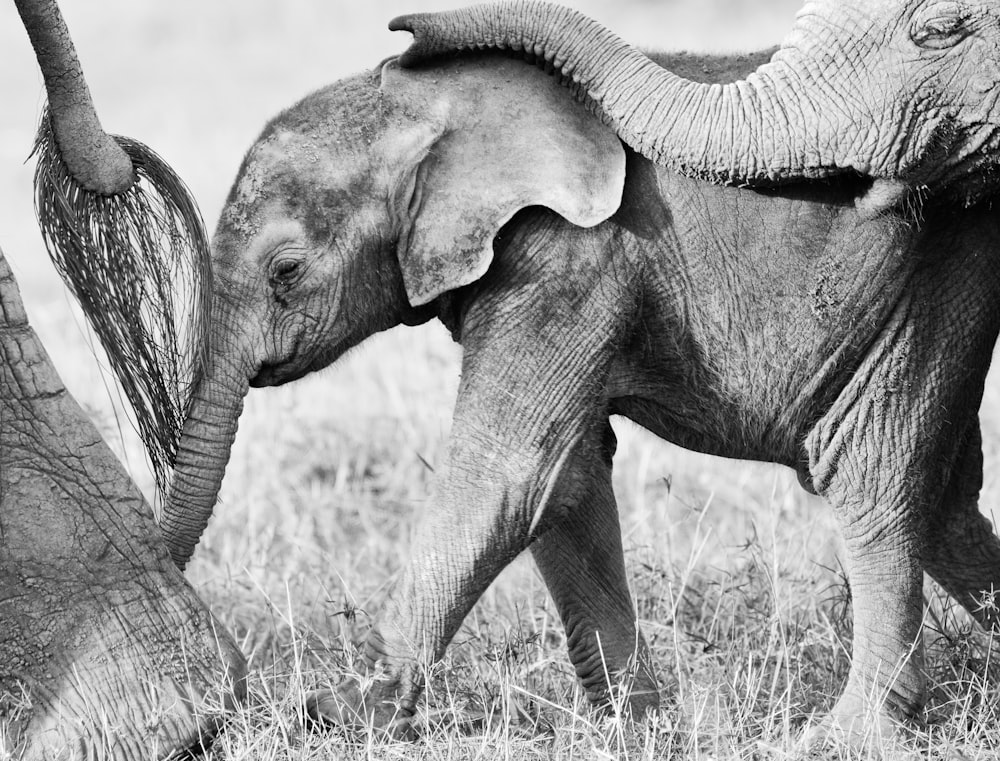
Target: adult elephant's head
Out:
[355,211]
[903,91]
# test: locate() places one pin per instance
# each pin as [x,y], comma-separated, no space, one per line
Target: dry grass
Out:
[735,570]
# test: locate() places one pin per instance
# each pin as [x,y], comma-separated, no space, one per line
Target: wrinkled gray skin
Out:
[105,651]
[785,326]
[904,91]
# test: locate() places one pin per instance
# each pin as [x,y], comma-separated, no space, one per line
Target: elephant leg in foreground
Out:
[524,410]
[581,559]
[886,682]
[105,651]
[883,456]
[963,553]
[870,462]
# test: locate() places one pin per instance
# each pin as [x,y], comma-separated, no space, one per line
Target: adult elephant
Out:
[582,281]
[903,91]
[105,651]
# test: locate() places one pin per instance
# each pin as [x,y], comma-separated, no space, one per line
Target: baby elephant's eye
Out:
[285,271]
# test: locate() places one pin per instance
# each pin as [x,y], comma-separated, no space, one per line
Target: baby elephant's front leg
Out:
[537,355]
[522,427]
[479,523]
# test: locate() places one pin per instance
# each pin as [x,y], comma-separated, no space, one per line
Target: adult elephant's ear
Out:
[498,137]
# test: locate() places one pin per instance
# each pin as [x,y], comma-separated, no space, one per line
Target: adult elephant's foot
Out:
[862,723]
[128,673]
[379,709]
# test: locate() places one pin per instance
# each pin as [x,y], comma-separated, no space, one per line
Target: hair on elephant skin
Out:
[125,235]
[582,280]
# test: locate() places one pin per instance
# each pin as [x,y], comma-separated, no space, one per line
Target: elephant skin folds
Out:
[105,650]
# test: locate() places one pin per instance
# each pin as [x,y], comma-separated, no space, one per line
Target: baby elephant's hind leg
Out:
[581,560]
[963,550]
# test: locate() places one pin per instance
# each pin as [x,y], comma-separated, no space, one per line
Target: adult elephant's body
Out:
[787,326]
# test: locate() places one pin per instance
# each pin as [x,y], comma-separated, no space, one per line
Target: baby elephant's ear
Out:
[509,137]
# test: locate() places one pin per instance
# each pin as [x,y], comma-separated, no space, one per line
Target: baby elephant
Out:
[583,281]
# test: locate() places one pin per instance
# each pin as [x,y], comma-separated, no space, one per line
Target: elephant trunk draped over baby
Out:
[903,91]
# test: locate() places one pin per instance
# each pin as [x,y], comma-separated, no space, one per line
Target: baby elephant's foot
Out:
[355,710]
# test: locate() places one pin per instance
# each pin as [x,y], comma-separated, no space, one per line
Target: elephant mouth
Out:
[283,369]
[296,366]
[277,374]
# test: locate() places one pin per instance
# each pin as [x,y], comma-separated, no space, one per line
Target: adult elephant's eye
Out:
[943,27]
[285,271]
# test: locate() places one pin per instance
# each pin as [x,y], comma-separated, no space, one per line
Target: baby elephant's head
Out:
[355,210]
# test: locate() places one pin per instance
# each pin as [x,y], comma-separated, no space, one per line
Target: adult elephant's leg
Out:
[871,457]
[899,444]
[581,560]
[963,550]
[105,650]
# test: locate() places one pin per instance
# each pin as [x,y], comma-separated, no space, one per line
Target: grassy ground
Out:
[736,571]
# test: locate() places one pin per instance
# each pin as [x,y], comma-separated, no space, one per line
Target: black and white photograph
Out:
[541,381]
